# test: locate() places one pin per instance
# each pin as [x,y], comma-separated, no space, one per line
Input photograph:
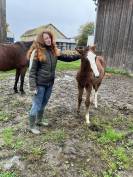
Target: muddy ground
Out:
[68,147]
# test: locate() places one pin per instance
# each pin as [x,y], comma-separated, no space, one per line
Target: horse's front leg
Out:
[16,80]
[87,103]
[93,97]
[96,93]
[22,75]
[80,94]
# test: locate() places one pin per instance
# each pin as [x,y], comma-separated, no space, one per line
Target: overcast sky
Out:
[66,15]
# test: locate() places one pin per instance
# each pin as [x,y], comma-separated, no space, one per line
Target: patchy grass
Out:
[121,157]
[62,66]
[56,136]
[86,173]
[36,151]
[7,136]
[109,174]
[8,174]
[112,145]
[6,74]
[102,149]
[10,140]
[117,71]
[4,116]
[110,135]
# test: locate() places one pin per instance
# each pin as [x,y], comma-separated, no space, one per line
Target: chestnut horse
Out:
[89,76]
[13,56]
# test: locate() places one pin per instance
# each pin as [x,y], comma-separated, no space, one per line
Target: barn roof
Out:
[36,31]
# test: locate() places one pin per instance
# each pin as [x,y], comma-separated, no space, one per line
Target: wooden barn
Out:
[114,32]
[2,20]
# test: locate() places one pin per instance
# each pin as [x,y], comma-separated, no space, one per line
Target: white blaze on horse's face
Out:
[91,58]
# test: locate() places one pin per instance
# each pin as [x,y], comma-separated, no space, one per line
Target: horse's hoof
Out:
[15,91]
[88,122]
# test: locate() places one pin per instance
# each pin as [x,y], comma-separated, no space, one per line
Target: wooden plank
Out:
[99,25]
[116,15]
[129,52]
[127,34]
[101,16]
[121,33]
[110,27]
[105,35]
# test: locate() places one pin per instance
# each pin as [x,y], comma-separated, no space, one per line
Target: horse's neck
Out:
[85,66]
[25,45]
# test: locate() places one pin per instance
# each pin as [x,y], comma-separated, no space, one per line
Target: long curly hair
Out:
[39,47]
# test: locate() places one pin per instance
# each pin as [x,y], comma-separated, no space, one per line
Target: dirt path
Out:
[68,148]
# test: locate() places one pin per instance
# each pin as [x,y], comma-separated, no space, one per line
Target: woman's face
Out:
[47,39]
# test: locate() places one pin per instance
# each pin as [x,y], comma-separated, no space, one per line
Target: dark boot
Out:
[40,121]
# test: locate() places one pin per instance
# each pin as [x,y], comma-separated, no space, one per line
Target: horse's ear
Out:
[79,50]
[87,48]
[93,48]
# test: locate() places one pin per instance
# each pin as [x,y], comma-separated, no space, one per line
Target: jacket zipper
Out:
[50,61]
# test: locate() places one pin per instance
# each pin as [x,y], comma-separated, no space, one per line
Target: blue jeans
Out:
[40,100]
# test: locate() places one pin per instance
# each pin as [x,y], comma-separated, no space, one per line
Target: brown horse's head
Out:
[88,55]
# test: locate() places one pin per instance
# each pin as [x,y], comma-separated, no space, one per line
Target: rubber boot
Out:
[33,129]
[40,121]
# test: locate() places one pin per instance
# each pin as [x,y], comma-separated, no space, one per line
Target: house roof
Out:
[36,31]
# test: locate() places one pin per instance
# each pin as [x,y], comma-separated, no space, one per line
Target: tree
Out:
[84,32]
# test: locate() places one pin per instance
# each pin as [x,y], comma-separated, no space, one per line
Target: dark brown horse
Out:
[13,56]
[90,76]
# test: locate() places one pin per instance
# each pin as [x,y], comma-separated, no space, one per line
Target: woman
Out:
[42,74]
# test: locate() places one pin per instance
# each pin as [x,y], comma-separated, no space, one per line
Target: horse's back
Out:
[11,56]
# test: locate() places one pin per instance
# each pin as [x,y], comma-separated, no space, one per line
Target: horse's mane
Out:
[24,45]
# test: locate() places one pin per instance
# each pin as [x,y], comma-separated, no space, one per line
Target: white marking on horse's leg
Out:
[87,116]
[91,58]
[96,99]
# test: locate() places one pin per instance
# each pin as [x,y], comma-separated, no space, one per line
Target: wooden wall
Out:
[2,20]
[114,32]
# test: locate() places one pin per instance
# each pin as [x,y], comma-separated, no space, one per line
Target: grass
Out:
[5,74]
[109,173]
[110,135]
[121,157]
[4,116]
[86,173]
[9,139]
[37,151]
[7,136]
[7,174]
[56,136]
[61,66]
[117,71]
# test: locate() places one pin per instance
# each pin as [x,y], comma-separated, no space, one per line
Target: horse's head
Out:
[88,54]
